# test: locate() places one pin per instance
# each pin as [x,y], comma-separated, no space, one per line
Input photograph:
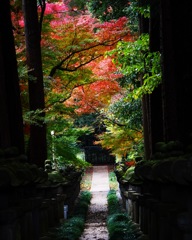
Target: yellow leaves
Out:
[119,140]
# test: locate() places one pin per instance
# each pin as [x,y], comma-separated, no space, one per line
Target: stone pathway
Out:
[100,179]
[95,226]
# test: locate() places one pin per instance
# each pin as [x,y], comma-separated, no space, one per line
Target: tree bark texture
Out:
[176,38]
[11,122]
[37,143]
[155,99]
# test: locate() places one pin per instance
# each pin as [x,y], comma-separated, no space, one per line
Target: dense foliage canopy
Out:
[93,62]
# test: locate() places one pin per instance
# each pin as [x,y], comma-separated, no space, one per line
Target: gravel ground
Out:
[95,227]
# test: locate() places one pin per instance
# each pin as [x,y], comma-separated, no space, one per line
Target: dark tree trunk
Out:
[11,123]
[37,143]
[146,126]
[155,99]
[170,119]
[176,26]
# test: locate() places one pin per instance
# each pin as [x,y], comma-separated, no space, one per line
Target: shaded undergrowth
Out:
[73,227]
[119,224]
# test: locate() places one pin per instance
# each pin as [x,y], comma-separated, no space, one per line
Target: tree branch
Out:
[66,98]
[71,54]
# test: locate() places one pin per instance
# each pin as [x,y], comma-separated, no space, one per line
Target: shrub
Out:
[72,228]
[119,224]
[113,203]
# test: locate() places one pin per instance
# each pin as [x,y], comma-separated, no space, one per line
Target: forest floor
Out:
[99,180]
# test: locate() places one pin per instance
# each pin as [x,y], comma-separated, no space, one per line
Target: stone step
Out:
[95,224]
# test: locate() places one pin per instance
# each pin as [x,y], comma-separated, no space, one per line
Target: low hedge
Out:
[73,227]
[119,224]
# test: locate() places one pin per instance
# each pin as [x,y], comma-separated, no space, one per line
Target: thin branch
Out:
[80,65]
[66,98]
[113,121]
[59,65]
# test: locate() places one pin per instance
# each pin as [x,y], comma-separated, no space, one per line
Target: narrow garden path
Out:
[95,226]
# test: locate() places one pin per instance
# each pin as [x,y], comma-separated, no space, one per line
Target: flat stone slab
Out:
[100,179]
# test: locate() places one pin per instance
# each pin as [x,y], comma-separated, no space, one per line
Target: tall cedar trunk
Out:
[169,83]
[176,35]
[11,123]
[155,99]
[182,35]
[37,143]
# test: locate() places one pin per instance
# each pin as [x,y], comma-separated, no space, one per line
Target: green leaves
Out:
[119,224]
[107,10]
[141,71]
[141,68]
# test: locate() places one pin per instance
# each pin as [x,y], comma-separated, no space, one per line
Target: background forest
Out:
[83,70]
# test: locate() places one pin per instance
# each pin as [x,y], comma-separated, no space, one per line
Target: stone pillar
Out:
[44,221]
[167,221]
[135,201]
[152,205]
[9,225]
[184,221]
[60,200]
[130,204]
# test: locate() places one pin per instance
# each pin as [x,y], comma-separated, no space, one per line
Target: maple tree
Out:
[124,131]
[141,72]
[73,45]
[86,40]
[97,95]
[140,68]
[120,139]
[84,78]
[105,10]
[80,59]
[79,78]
